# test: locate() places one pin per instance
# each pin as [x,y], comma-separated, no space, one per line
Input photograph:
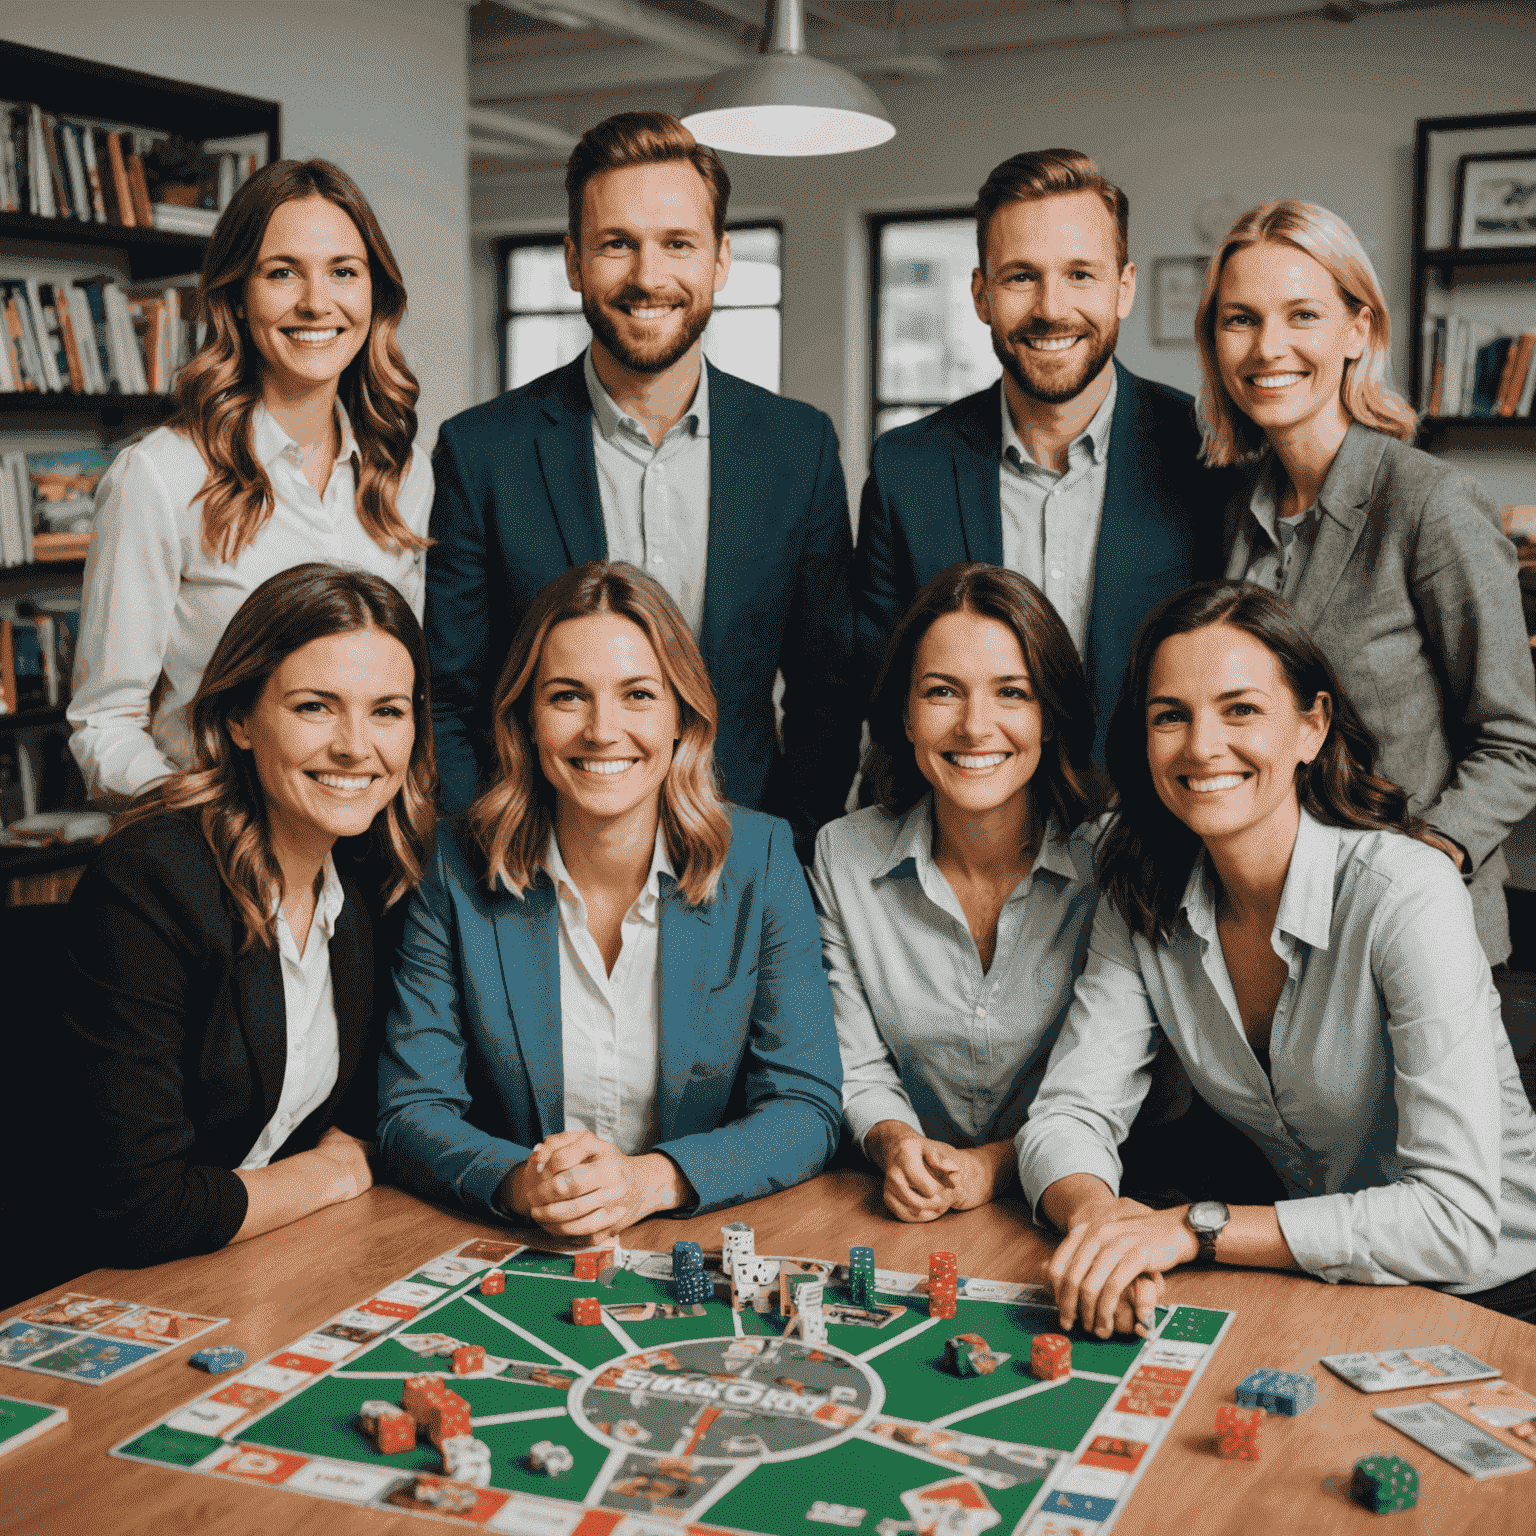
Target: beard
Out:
[660,355]
[1047,384]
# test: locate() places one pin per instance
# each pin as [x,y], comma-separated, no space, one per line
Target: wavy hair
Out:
[1146,854]
[286,612]
[512,821]
[1066,786]
[1228,435]
[218,390]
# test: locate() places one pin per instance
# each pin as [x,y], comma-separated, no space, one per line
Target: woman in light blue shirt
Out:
[955,909]
[1272,908]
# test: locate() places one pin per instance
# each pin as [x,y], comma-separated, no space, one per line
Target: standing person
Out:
[1394,560]
[292,441]
[217,984]
[1071,471]
[610,999]
[729,496]
[955,910]
[1273,909]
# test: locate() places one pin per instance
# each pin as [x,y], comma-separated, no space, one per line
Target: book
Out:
[1528,390]
[63,207]
[74,169]
[92,173]
[122,192]
[1487,376]
[183,221]
[56,308]
[40,184]
[83,332]
[125,351]
[1519,365]
[41,335]
[10,342]
[13,196]
[90,289]
[19,322]
[62,487]
[12,543]
[138,188]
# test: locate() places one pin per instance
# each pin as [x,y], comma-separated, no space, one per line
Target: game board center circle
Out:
[728,1399]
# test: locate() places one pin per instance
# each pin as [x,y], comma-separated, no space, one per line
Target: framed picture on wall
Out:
[1496,200]
[1176,285]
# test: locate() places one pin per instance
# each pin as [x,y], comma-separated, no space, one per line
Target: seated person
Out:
[610,999]
[1273,910]
[217,986]
[955,910]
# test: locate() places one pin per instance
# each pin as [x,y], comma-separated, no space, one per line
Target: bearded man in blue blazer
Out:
[1070,470]
[729,496]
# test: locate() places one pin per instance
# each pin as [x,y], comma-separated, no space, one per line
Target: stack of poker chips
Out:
[1384,1484]
[943,1282]
[438,1410]
[467,1460]
[218,1358]
[1284,1392]
[690,1283]
[389,1426]
[1050,1356]
[809,1297]
[737,1240]
[861,1276]
[1237,1432]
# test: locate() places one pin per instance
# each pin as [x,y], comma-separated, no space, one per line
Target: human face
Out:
[1053,293]
[974,722]
[1225,734]
[648,267]
[309,301]
[604,719]
[1283,335]
[331,735]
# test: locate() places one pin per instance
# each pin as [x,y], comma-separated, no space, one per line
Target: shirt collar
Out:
[569,894]
[271,441]
[1264,500]
[914,846]
[610,418]
[1095,435]
[328,904]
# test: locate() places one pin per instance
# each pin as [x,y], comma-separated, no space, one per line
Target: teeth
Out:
[650,314]
[330,335]
[1277,380]
[606,767]
[1221,781]
[973,760]
[344,781]
[1051,343]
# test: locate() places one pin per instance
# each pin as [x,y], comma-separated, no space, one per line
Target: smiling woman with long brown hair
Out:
[292,441]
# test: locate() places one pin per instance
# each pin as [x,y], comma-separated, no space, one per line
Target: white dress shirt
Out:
[610,1025]
[309,1008]
[1392,1111]
[1050,520]
[1280,556]
[928,1037]
[655,496]
[156,602]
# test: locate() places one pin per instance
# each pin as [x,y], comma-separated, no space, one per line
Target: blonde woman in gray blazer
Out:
[1393,560]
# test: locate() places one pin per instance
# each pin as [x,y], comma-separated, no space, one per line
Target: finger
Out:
[912,1168]
[1059,1274]
[904,1205]
[1144,1294]
[607,1218]
[540,1154]
[1117,1291]
[923,1205]
[579,1208]
[941,1159]
[574,1153]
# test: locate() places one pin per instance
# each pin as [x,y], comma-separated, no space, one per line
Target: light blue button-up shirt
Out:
[1393,1112]
[928,1037]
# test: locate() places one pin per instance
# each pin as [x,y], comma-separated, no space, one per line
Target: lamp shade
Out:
[786,102]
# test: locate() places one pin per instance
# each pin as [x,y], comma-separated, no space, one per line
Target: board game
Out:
[663,1415]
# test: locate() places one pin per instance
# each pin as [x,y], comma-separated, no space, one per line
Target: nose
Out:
[1050,299]
[602,722]
[1269,339]
[348,740]
[647,269]
[976,717]
[1203,739]
[314,296]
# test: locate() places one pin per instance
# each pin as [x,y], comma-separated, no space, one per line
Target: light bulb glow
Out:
[786,130]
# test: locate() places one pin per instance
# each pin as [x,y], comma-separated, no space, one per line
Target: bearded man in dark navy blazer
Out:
[1070,470]
[731,497]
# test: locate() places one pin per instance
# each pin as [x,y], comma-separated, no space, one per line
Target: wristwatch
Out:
[1207,1220]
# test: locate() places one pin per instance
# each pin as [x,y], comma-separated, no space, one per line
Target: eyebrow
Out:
[296,260]
[1070,261]
[1231,693]
[576,682]
[1004,677]
[326,693]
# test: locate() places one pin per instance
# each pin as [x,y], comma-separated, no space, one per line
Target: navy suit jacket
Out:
[517,504]
[750,1079]
[931,500]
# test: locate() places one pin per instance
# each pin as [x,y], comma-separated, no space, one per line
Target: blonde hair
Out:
[512,821]
[1229,435]
[218,390]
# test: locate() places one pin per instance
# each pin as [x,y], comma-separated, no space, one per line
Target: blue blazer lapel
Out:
[563,443]
[687,942]
[528,945]
[734,523]
[977,459]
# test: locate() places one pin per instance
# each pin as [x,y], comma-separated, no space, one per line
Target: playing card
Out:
[1425,1365]
[953,1506]
[1472,1450]
[1500,1408]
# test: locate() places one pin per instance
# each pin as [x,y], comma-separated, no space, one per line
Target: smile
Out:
[1275,380]
[974,760]
[653,313]
[1213,786]
[313,338]
[343,781]
[604,767]
[1051,343]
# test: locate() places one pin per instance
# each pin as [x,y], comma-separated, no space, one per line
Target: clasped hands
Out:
[925,1178]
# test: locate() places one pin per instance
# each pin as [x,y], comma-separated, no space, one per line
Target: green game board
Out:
[712,1422]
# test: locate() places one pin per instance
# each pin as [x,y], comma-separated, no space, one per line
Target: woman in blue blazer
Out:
[610,993]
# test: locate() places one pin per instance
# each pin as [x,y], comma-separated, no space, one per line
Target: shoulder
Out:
[515,409]
[160,864]
[754,836]
[785,415]
[1380,871]
[1408,479]
[1160,398]
[1165,414]
[859,843]
[939,431]
[166,459]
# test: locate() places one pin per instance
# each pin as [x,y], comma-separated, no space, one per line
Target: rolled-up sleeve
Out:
[1097,1076]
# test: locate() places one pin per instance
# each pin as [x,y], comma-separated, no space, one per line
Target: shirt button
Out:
[1056,575]
[981,1013]
[657,560]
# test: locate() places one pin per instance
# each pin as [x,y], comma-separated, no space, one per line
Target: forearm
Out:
[1252,1239]
[284,1191]
[1068,1201]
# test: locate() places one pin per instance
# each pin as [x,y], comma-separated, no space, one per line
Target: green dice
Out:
[1384,1484]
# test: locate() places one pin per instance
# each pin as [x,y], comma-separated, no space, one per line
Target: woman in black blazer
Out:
[218,968]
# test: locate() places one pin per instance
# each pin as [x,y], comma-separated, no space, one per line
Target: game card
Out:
[77,1310]
[1453,1439]
[22,1420]
[155,1325]
[1425,1365]
[1502,1409]
[91,1359]
[953,1506]
[20,1341]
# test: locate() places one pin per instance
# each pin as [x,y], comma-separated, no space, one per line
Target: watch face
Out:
[1208,1215]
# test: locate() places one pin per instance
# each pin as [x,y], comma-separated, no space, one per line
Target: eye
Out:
[1237,322]
[279,272]
[1166,717]
[939,691]
[564,696]
[1306,314]
[643,695]
[346,271]
[390,711]
[1018,695]
[1240,708]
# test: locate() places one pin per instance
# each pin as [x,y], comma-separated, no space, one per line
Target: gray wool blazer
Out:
[1412,591]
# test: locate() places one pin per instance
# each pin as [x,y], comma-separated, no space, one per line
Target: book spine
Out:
[37,160]
[120,185]
[19,131]
[59,309]
[130,362]
[111,378]
[139,188]
[1515,372]
[41,336]
[74,166]
[85,338]
[7,669]
[10,374]
[10,180]
[18,315]
[92,173]
[67,367]
[63,207]
[1528,389]
[1436,383]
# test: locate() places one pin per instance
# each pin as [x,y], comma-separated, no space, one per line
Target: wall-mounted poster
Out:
[1496,200]
[1176,285]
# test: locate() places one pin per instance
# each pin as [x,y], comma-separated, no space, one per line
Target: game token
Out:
[468,1358]
[1283,1392]
[690,1282]
[586,1311]
[861,1276]
[737,1241]
[390,1427]
[587,1266]
[550,1459]
[494,1284]
[959,1355]
[1050,1356]
[1384,1484]
[467,1460]
[218,1358]
[943,1272]
[1237,1432]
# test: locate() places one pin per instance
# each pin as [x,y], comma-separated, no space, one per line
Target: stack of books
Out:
[47,503]
[1470,369]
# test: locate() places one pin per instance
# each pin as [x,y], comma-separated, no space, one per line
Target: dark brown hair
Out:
[512,820]
[286,612]
[641,138]
[1145,856]
[1066,786]
[1050,173]
[218,390]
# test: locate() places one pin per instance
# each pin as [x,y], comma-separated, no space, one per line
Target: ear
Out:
[979,297]
[572,265]
[723,262]
[1358,334]
[1127,290]
[1315,721]
[238,734]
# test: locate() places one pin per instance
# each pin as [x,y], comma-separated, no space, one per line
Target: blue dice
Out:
[218,1359]
[1285,1392]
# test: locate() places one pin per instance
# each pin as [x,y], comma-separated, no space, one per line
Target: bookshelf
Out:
[82,89]
[1444,274]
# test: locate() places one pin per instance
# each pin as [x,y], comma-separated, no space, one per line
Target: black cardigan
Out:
[177,1041]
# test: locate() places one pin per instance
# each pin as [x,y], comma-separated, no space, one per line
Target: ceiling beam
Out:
[630,18]
[529,130]
[566,74]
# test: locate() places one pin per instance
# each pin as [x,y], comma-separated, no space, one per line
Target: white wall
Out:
[376,85]
[1306,109]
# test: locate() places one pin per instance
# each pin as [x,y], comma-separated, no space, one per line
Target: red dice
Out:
[397,1432]
[1237,1432]
[1050,1356]
[587,1311]
[468,1358]
[494,1283]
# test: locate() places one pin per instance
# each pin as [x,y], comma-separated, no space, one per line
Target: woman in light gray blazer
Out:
[1393,560]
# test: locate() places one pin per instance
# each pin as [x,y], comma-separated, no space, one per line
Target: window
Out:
[929,347]
[542,326]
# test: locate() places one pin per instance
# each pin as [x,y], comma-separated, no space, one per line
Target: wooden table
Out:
[279,1286]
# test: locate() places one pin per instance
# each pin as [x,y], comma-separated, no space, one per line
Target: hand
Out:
[575,1185]
[1107,1271]
[349,1158]
[925,1178]
[1448,846]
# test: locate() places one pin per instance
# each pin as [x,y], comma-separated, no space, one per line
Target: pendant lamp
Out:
[786,102]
